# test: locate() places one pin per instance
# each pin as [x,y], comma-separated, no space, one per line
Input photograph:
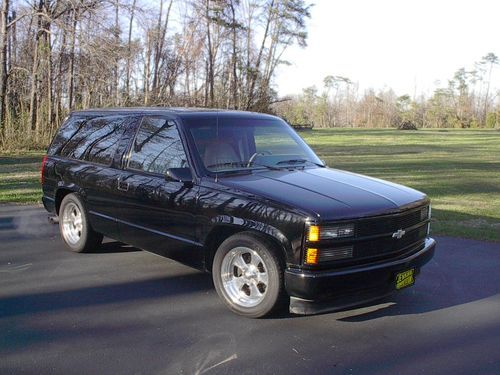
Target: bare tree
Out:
[3,63]
[73,54]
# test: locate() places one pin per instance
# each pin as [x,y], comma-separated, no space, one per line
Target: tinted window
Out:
[106,138]
[96,140]
[272,137]
[157,147]
[248,143]
[67,130]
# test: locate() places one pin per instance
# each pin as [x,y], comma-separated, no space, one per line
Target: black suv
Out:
[240,195]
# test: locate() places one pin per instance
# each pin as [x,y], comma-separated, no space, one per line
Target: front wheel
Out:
[74,226]
[248,275]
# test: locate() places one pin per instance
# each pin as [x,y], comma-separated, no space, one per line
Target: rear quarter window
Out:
[65,133]
[96,140]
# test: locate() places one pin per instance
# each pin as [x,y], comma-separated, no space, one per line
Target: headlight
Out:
[425,213]
[337,231]
[317,233]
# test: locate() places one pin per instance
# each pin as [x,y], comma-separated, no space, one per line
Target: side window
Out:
[65,133]
[106,139]
[157,147]
[96,140]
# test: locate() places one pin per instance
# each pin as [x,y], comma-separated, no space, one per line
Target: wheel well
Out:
[221,233]
[60,194]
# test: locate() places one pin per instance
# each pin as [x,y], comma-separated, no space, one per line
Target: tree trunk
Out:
[254,73]
[210,56]
[156,51]
[486,97]
[116,76]
[160,34]
[71,69]
[3,64]
[234,81]
[34,71]
[147,68]
[50,101]
[58,81]
[129,51]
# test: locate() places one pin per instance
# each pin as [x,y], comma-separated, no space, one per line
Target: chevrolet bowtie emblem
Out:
[400,233]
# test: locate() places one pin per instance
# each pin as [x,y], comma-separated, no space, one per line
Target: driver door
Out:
[157,214]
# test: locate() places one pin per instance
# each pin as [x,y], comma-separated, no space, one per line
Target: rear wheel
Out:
[74,226]
[248,275]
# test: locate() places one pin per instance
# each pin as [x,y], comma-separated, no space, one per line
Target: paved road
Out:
[128,311]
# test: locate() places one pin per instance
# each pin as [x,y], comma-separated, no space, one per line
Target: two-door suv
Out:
[239,195]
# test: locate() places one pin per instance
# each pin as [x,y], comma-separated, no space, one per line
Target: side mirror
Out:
[179,174]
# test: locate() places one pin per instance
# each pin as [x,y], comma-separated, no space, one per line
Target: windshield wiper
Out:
[292,161]
[243,164]
[273,168]
[227,164]
[297,161]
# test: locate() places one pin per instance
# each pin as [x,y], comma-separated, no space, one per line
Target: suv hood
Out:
[328,194]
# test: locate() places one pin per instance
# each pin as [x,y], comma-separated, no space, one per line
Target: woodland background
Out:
[61,55]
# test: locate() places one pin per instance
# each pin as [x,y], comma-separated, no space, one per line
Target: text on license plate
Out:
[405,278]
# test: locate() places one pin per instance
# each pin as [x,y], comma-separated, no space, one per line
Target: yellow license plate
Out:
[404,279]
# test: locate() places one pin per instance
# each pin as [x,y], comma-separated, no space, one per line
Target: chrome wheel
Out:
[244,277]
[72,223]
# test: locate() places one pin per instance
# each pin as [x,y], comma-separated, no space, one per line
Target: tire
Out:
[248,275]
[74,226]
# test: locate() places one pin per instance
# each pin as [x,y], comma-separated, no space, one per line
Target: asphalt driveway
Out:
[127,311]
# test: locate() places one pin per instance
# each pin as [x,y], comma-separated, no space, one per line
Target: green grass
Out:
[20,177]
[458,169]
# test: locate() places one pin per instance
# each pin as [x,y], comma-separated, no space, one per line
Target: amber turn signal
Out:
[313,235]
[312,256]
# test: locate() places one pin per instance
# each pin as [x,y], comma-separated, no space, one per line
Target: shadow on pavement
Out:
[454,277]
[114,247]
[107,294]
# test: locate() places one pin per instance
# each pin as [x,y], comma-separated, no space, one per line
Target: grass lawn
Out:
[20,177]
[458,169]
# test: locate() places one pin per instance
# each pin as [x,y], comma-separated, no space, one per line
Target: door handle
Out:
[122,185]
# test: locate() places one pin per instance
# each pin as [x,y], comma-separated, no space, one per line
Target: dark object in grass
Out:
[303,126]
[407,125]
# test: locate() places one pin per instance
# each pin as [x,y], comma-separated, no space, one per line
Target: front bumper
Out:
[318,291]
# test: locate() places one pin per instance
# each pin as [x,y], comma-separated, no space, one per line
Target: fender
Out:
[70,186]
[247,224]
[61,186]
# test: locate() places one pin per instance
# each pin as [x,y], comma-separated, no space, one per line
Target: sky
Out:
[412,46]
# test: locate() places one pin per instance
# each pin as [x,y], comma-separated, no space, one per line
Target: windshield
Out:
[229,144]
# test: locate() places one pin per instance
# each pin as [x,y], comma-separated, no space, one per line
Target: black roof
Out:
[182,112]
